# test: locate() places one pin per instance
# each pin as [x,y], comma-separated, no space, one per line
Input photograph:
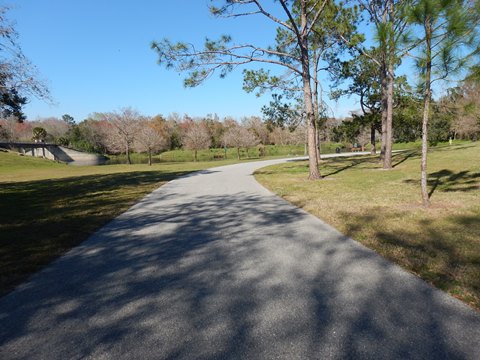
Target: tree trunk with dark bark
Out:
[426,111]
[373,149]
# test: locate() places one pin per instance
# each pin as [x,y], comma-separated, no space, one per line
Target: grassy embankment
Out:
[269,152]
[382,210]
[46,208]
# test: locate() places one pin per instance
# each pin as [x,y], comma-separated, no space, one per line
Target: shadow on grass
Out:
[399,158]
[338,165]
[449,181]
[227,277]
[436,253]
[40,220]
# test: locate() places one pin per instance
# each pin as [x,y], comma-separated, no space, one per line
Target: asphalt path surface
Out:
[214,266]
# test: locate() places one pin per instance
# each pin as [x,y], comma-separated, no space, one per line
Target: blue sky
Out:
[95,56]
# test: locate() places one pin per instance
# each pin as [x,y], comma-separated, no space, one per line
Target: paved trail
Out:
[213,266]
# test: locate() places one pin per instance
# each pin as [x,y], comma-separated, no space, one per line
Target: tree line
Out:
[127,130]
[454,116]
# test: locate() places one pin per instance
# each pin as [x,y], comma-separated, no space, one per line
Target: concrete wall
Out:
[74,157]
[56,153]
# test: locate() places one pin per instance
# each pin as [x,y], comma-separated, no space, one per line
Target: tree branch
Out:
[316,17]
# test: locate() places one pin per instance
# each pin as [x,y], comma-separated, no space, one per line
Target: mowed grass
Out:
[382,210]
[47,208]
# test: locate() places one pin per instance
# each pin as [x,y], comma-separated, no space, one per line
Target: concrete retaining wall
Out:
[56,153]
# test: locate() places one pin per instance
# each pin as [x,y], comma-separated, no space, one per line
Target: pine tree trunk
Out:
[384,114]
[314,174]
[426,111]
[387,161]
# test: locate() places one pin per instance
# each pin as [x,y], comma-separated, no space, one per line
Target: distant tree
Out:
[407,118]
[299,135]
[464,107]
[280,114]
[173,128]
[55,128]
[4,136]
[196,137]
[124,126]
[348,130]
[239,137]
[281,136]
[149,139]
[11,104]
[39,134]
[91,134]
[258,127]
[68,119]
[215,128]
[8,129]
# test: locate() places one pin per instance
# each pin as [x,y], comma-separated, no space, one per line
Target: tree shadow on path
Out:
[237,276]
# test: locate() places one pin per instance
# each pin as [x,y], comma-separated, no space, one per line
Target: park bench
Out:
[356,147]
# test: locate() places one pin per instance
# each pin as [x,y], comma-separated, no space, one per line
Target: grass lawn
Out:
[382,210]
[46,208]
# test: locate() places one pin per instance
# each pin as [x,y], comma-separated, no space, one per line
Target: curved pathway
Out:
[213,266]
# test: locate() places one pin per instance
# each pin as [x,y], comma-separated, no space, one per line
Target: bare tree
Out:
[467,111]
[55,127]
[299,135]
[196,137]
[281,136]
[124,126]
[257,126]
[149,139]
[239,137]
[12,130]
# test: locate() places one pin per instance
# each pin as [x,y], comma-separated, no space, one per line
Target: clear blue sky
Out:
[95,57]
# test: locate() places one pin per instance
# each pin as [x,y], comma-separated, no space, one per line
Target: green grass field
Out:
[382,209]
